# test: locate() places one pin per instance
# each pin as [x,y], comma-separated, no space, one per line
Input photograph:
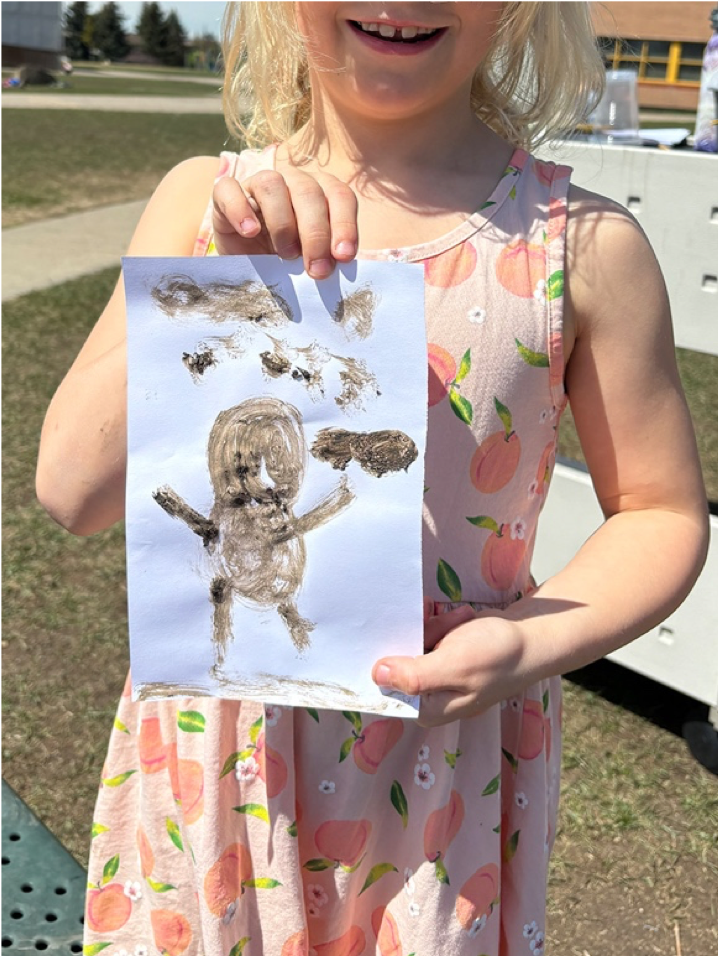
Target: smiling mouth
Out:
[391,34]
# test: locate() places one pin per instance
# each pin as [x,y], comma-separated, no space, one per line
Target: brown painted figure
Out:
[257,457]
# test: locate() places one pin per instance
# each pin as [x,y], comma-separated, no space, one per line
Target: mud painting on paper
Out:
[276,434]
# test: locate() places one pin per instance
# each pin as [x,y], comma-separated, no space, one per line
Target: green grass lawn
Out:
[120,86]
[57,162]
[639,820]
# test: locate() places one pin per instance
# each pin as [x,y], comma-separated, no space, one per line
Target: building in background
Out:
[663,42]
[32,34]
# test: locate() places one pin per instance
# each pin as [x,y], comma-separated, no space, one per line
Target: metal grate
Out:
[43,887]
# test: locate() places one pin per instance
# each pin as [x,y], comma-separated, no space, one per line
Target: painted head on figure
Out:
[528,70]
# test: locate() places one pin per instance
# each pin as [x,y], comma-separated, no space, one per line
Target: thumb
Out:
[410,675]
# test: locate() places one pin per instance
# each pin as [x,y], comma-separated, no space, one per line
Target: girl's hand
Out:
[288,214]
[475,663]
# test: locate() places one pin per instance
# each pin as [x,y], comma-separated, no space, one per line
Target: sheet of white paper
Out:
[239,401]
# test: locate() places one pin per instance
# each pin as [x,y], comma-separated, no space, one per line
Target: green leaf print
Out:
[448,580]
[261,883]
[376,873]
[254,730]
[346,748]
[440,871]
[98,828]
[461,406]
[554,286]
[536,359]
[511,759]
[191,721]
[489,202]
[230,762]
[159,887]
[118,725]
[292,829]
[464,367]
[511,846]
[497,828]
[319,864]
[354,718]
[119,779]
[505,416]
[110,868]
[544,701]
[451,758]
[236,950]
[492,786]
[483,521]
[92,949]
[399,802]
[254,810]
[512,194]
[313,712]
[174,834]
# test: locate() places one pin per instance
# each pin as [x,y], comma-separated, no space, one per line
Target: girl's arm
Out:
[639,445]
[83,449]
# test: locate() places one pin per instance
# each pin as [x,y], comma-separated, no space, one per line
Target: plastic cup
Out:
[616,116]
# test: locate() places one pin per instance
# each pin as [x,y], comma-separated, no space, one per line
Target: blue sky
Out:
[196,16]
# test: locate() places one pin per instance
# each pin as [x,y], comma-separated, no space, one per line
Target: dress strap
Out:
[560,177]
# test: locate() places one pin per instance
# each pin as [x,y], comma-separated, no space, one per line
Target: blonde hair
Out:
[541,77]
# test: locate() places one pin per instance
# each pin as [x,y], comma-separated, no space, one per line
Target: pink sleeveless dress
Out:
[224,827]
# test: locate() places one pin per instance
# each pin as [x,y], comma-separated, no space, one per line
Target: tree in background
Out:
[176,39]
[73,26]
[108,34]
[153,31]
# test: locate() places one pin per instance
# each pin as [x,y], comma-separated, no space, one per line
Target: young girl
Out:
[223,827]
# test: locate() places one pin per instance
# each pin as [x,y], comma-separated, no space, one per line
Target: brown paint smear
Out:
[256,456]
[377,452]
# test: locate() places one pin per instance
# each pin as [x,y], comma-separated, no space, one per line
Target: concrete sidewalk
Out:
[43,254]
[118,104]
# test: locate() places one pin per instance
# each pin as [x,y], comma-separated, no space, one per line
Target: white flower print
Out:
[423,776]
[246,769]
[229,912]
[544,416]
[271,714]
[553,414]
[327,786]
[530,929]
[414,909]
[504,704]
[317,894]
[522,801]
[396,255]
[140,949]
[133,889]
[518,529]
[477,926]
[123,952]
[423,753]
[540,290]
[533,489]
[313,910]
[515,703]
[477,315]
[409,884]
[536,944]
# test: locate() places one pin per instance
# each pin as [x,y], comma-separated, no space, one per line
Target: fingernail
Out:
[320,268]
[346,248]
[382,675]
[291,252]
[248,227]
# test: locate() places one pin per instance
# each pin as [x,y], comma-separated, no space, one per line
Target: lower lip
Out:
[397,49]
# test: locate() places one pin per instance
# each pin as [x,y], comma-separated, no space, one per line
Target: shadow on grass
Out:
[680,715]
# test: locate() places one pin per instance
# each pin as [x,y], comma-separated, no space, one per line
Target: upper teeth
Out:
[389,32]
